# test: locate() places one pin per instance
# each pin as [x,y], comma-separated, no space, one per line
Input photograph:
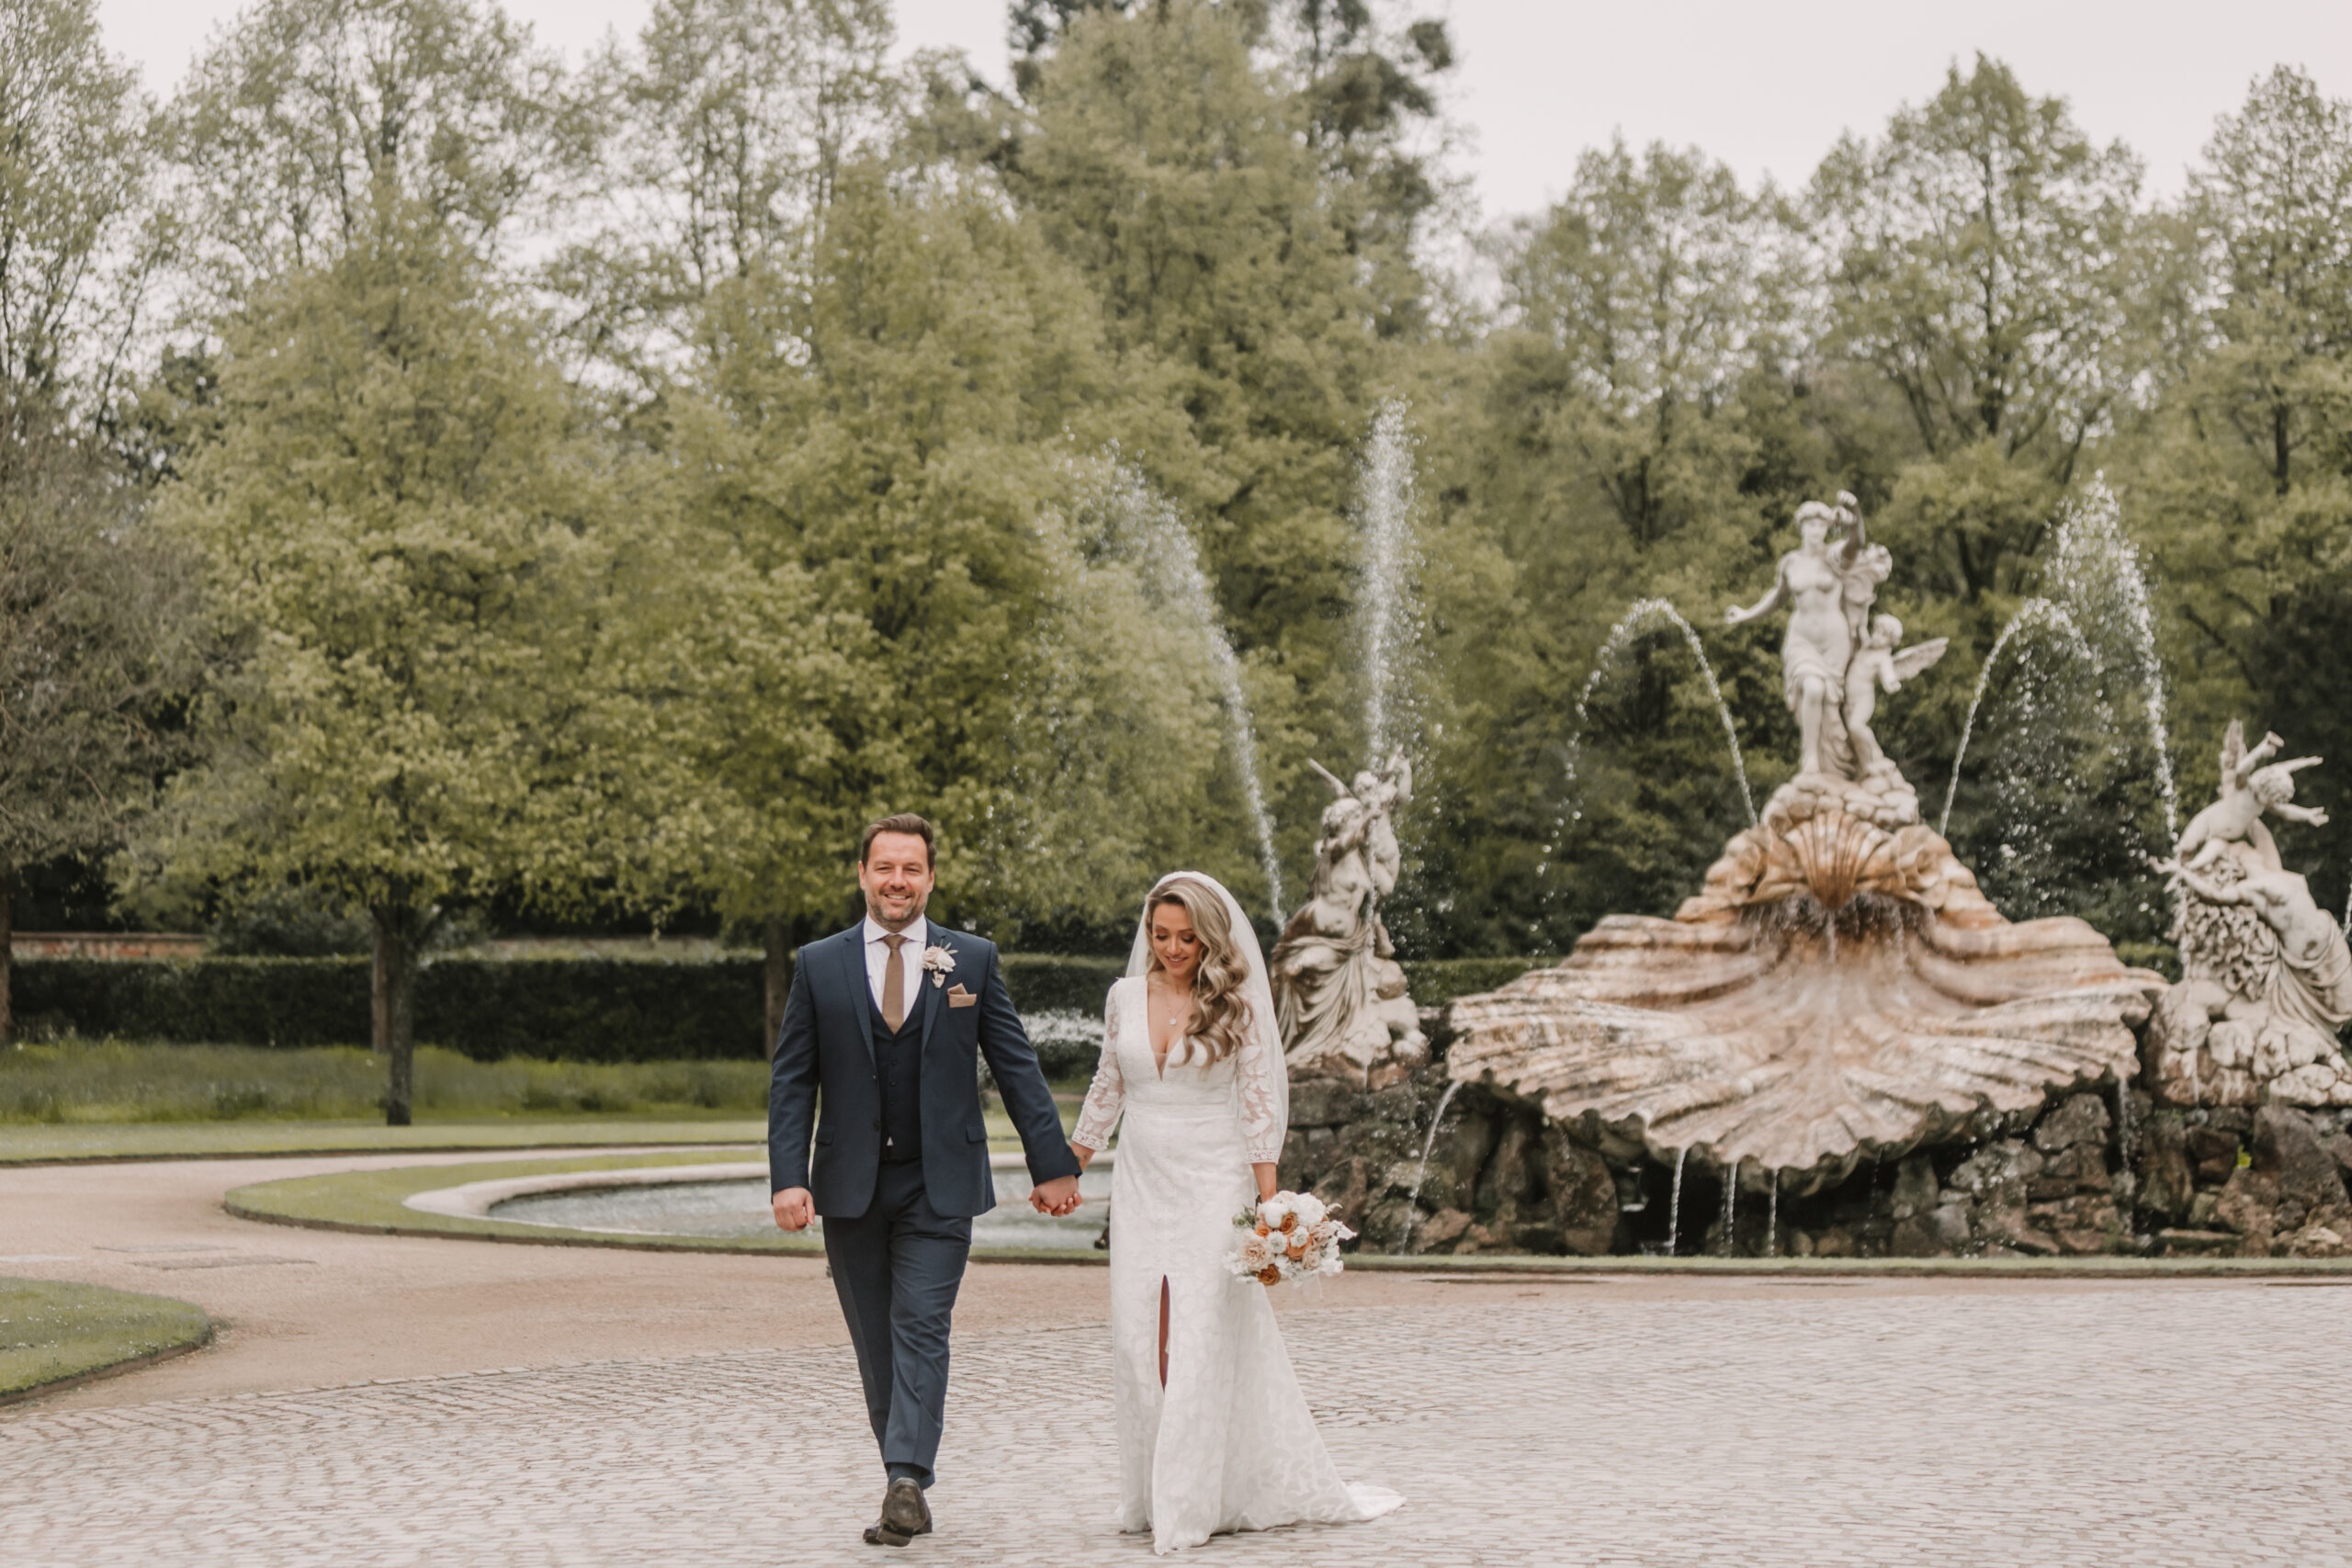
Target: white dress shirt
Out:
[878,959]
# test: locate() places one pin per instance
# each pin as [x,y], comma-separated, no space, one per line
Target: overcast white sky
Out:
[1764,87]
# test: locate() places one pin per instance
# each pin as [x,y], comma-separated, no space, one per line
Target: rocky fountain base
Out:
[2221,1182]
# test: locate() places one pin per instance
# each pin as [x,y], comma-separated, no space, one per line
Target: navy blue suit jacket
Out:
[823,1081]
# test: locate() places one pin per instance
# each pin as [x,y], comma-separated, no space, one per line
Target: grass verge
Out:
[371,1201]
[52,1331]
[21,1144]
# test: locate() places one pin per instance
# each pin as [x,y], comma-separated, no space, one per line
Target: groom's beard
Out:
[908,912]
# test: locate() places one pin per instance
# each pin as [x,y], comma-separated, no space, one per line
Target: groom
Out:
[877,1051]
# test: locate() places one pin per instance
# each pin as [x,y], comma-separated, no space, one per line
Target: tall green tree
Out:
[417,552]
[98,653]
[452,656]
[1979,258]
[2244,468]
[876,457]
[1624,432]
[74,166]
[1169,155]
[722,135]
[95,625]
[300,119]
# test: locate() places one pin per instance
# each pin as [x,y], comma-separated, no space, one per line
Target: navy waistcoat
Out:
[897,1072]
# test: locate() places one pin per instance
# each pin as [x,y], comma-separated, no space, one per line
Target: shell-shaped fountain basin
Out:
[1841,992]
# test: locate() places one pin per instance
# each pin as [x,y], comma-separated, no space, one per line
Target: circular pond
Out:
[721,1209]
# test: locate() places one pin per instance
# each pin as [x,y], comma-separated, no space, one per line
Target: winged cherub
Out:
[2248,789]
[1878,664]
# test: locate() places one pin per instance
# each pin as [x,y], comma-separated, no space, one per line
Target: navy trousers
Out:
[896,1269]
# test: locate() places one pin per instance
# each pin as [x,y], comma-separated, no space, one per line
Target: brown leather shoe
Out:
[905,1516]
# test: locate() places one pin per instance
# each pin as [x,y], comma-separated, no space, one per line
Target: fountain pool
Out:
[673,1203]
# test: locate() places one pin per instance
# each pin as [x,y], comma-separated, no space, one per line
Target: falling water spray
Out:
[2033,612]
[1421,1171]
[1731,1207]
[1642,614]
[2097,572]
[1385,502]
[1171,561]
[1674,1204]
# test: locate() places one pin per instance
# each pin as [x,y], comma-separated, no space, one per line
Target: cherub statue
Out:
[2248,789]
[1877,665]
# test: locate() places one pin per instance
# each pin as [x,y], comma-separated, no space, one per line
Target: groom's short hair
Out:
[904,822]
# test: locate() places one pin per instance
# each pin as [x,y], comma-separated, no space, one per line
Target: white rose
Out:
[1309,1209]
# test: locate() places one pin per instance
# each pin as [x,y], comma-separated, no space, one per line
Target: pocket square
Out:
[957,997]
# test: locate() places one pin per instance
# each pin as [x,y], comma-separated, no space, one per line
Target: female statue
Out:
[1829,588]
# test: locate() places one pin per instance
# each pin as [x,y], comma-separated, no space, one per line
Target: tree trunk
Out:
[393,1003]
[7,951]
[776,970]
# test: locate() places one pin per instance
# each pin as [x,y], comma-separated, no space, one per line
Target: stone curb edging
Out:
[111,1369]
[1515,1263]
[475,1200]
[2121,1269]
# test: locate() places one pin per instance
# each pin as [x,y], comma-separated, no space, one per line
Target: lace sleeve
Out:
[1262,1116]
[1107,1095]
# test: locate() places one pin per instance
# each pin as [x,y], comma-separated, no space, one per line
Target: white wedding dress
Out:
[1229,1444]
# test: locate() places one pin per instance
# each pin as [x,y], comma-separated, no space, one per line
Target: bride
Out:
[1213,1433]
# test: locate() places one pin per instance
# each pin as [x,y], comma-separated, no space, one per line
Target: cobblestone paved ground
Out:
[1553,1422]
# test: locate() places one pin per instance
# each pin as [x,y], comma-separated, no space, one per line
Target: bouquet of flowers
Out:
[1290,1236]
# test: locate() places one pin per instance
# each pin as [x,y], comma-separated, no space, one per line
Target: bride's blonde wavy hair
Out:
[1222,1017]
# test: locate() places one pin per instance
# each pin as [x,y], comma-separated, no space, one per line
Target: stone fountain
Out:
[1839,1048]
[1839,991]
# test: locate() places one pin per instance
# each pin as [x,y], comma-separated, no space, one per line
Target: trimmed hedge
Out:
[579,1009]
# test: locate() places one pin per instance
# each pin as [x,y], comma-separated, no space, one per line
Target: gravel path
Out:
[701,1409]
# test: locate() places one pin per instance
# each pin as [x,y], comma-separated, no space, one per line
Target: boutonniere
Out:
[940,963]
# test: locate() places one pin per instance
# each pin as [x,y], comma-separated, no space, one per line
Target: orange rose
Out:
[1296,1251]
[1261,1227]
[1270,1275]
[1290,1223]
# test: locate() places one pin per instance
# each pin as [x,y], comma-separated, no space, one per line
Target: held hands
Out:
[793,1209]
[1057,1197]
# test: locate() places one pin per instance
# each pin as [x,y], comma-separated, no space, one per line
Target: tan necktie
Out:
[894,984]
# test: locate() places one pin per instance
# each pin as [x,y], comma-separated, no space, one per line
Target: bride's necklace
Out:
[1179,1014]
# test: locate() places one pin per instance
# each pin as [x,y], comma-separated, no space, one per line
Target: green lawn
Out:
[52,1330]
[112,1080]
